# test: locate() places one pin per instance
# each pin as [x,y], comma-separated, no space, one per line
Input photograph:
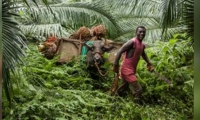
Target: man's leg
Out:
[122,88]
[136,90]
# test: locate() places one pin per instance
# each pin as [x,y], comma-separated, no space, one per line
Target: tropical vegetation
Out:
[35,88]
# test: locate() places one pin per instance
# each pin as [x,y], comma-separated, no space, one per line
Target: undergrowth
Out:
[43,90]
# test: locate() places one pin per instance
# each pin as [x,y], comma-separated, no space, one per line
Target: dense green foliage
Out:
[44,90]
[38,18]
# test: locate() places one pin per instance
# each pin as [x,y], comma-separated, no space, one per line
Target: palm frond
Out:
[12,45]
[170,13]
[122,5]
[188,15]
[77,15]
[154,29]
[128,26]
[167,12]
[43,29]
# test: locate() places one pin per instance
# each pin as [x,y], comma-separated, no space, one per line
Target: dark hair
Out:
[140,27]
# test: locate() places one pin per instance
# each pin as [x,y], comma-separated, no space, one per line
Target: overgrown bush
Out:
[174,60]
[42,90]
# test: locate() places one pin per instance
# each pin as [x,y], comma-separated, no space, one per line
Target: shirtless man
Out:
[133,49]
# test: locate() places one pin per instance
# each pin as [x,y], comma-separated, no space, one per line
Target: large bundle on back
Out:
[72,47]
[74,36]
[49,47]
[82,33]
[51,39]
[99,31]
